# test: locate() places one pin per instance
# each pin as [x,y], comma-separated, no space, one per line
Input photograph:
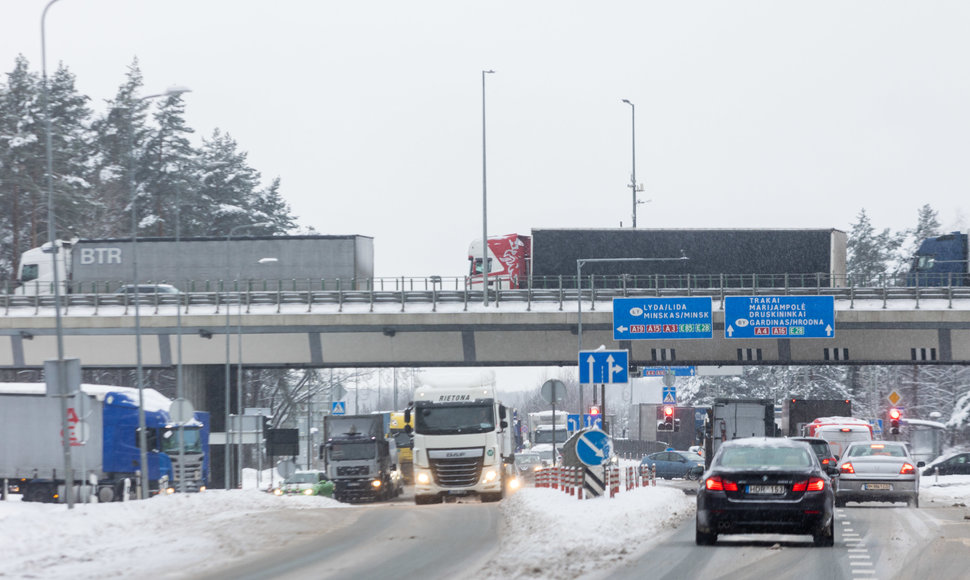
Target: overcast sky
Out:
[748,114]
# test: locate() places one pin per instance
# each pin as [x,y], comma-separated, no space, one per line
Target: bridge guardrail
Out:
[405,294]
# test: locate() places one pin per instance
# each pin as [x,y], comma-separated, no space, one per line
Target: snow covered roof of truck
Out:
[154,401]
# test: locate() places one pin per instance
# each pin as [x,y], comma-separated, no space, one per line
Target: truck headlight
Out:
[376,483]
[490,475]
[424,478]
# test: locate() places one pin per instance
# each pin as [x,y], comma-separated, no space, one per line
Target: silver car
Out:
[878,471]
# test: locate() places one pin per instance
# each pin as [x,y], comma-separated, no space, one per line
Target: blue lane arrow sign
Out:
[662,318]
[779,316]
[572,422]
[604,367]
[594,448]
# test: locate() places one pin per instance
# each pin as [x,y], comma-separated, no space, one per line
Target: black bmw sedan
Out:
[765,486]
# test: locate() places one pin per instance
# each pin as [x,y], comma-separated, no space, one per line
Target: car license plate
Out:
[876,486]
[766,489]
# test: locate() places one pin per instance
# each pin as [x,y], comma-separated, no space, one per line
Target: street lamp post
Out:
[225,290]
[52,240]
[633,176]
[485,268]
[142,430]
[579,306]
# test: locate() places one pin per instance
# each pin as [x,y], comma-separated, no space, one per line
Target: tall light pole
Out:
[142,430]
[633,176]
[239,369]
[579,308]
[52,240]
[485,268]
[232,230]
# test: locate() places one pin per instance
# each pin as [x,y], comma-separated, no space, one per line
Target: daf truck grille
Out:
[352,470]
[460,472]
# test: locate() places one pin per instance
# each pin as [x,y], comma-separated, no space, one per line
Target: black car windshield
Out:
[453,419]
[353,451]
[765,457]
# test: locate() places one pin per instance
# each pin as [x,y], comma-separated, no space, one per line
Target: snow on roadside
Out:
[125,540]
[549,534]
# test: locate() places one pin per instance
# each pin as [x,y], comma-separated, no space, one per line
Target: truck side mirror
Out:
[504,424]
[407,421]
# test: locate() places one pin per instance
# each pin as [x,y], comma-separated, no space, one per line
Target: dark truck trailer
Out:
[796,413]
[736,419]
[714,257]
[204,263]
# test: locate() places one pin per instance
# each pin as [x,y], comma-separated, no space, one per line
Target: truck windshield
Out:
[353,451]
[453,419]
[193,440]
[545,435]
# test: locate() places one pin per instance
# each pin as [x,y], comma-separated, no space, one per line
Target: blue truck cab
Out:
[940,261]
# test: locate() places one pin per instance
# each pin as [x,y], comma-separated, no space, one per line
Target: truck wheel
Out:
[425,499]
[491,497]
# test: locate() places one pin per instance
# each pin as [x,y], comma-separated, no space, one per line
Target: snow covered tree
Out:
[870,253]
[23,155]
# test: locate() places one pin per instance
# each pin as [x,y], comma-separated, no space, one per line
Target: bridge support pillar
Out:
[205,387]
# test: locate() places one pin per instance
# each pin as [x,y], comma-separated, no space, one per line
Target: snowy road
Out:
[386,541]
[534,534]
[873,540]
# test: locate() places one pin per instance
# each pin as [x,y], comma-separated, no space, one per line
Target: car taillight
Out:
[813,484]
[847,468]
[907,469]
[826,461]
[717,483]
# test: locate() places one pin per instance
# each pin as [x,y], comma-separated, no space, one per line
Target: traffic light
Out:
[594,410]
[668,418]
[894,416]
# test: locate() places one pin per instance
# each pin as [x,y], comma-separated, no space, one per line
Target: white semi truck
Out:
[463,444]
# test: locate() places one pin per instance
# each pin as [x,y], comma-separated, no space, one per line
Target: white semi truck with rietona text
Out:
[463,444]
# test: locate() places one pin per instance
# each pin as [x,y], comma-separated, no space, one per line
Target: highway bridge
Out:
[429,327]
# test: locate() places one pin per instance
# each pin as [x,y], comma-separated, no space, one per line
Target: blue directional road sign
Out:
[662,371]
[594,448]
[670,395]
[592,421]
[604,366]
[662,318]
[572,422]
[779,316]
[338,408]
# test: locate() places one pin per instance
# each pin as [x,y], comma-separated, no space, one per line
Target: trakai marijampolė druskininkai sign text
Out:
[779,317]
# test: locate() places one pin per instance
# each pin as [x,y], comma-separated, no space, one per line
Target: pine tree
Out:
[869,253]
[22,165]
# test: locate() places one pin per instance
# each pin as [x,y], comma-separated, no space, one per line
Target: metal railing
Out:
[213,295]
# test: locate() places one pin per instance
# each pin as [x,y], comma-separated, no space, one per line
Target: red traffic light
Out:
[594,410]
[894,414]
[668,411]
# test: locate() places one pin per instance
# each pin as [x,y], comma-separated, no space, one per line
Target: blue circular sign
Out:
[594,447]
